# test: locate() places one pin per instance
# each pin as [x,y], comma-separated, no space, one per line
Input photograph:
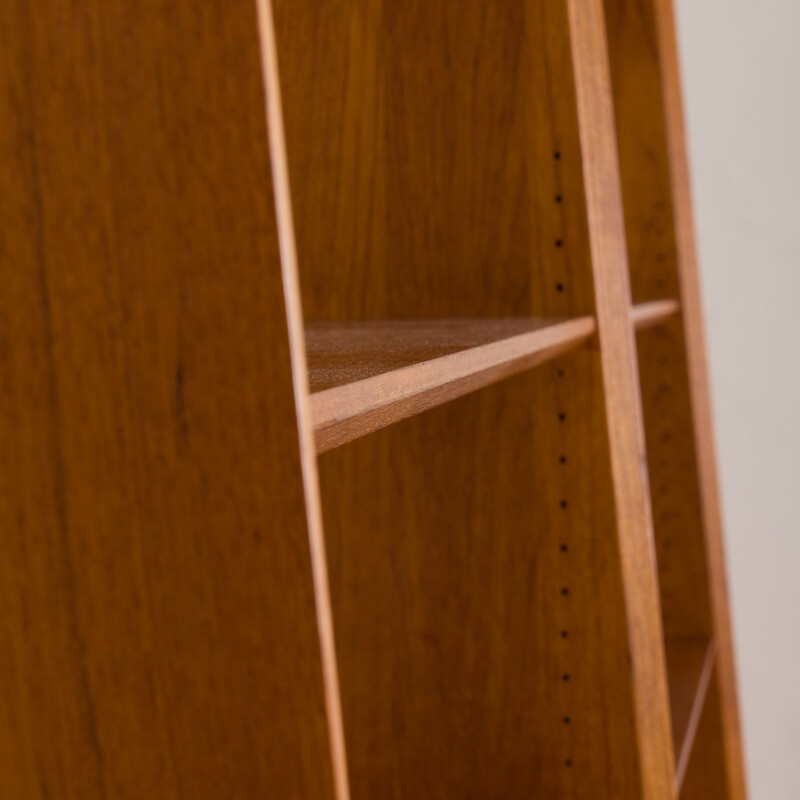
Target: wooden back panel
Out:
[434,158]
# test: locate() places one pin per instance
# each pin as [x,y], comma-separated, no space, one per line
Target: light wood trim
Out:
[648,315]
[690,664]
[625,423]
[294,313]
[432,362]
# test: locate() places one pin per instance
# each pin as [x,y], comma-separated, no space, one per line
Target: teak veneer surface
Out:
[367,375]
[159,635]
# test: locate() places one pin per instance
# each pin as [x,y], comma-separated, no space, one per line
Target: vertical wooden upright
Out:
[625,423]
[675,391]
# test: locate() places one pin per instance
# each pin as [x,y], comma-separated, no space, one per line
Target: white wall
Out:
[741,76]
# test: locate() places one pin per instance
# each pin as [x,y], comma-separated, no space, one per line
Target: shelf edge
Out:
[647,315]
[344,413]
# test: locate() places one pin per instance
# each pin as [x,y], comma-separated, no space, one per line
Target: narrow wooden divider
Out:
[367,375]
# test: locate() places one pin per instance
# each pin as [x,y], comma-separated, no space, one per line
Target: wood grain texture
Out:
[690,664]
[159,636]
[470,549]
[434,159]
[625,423]
[482,630]
[672,359]
[648,315]
[297,349]
[370,374]
[700,399]
[680,543]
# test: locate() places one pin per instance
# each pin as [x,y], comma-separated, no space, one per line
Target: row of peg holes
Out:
[559,243]
[663,464]
[564,550]
[562,460]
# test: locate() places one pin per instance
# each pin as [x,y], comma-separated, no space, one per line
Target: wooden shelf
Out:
[365,376]
[646,315]
[690,662]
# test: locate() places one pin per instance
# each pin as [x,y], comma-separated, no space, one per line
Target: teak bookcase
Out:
[254,551]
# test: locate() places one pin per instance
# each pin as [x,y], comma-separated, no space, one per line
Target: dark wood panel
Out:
[159,635]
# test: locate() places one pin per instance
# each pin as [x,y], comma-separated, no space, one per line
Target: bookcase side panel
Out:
[159,628]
